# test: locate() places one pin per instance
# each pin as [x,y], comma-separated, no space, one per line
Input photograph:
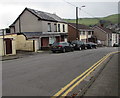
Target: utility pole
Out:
[77,33]
[3,41]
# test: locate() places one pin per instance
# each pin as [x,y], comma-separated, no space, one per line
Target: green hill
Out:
[92,21]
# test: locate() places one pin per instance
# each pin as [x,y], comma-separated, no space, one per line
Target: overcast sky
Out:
[10,9]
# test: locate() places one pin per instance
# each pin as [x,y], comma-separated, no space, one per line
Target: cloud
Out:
[11,9]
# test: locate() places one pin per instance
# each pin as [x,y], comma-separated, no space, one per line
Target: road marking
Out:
[86,73]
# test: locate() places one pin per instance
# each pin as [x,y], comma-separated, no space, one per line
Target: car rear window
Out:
[56,44]
[61,43]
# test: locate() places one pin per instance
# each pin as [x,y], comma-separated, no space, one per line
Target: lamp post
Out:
[77,32]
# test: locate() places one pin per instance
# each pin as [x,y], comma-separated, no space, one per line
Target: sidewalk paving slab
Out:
[21,54]
[107,82]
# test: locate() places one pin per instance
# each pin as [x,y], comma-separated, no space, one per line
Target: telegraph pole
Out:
[77,33]
[3,41]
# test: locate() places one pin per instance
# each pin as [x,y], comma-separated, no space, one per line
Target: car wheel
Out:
[54,51]
[85,48]
[63,50]
[72,49]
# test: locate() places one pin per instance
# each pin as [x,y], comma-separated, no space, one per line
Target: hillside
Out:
[92,21]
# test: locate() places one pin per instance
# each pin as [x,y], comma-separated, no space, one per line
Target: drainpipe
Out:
[33,45]
[19,25]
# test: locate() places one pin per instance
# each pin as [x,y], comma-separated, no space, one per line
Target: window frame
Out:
[58,27]
[49,27]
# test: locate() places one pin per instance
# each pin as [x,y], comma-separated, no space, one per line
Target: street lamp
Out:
[81,7]
[77,33]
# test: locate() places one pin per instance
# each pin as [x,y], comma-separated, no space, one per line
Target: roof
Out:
[42,15]
[80,26]
[29,35]
[46,16]
[105,29]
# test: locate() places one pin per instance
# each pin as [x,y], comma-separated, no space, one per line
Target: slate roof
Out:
[46,16]
[29,35]
[42,15]
[105,29]
[81,26]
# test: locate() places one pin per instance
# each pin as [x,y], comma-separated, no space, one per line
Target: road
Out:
[46,74]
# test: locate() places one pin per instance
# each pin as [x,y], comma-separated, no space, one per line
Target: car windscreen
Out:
[74,42]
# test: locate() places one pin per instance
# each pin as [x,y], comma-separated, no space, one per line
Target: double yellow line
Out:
[69,87]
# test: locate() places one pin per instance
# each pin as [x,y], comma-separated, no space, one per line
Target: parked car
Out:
[116,45]
[91,45]
[78,45]
[61,47]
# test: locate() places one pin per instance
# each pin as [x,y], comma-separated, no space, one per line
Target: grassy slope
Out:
[93,21]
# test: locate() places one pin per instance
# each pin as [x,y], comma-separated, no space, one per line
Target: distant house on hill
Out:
[85,33]
[40,28]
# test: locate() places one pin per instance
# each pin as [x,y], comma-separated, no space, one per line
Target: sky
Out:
[11,9]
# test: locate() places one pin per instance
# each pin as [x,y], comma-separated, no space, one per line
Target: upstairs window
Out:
[58,27]
[49,27]
[89,32]
[55,27]
[63,28]
[83,32]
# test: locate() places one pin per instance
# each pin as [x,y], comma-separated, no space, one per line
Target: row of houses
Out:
[34,30]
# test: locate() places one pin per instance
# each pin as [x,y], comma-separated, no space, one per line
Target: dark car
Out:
[91,45]
[116,45]
[78,45]
[61,47]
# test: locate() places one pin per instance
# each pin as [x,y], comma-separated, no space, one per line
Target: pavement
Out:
[22,54]
[106,84]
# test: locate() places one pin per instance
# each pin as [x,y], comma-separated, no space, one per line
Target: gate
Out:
[8,46]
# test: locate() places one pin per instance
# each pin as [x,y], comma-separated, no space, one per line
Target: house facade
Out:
[41,27]
[85,33]
[106,36]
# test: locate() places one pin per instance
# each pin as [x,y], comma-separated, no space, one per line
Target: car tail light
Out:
[59,45]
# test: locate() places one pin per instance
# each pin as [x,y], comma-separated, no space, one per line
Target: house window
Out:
[49,27]
[63,28]
[83,32]
[55,27]
[89,33]
[58,27]
[80,33]
[92,32]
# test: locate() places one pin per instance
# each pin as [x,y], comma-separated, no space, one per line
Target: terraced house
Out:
[38,30]
[85,33]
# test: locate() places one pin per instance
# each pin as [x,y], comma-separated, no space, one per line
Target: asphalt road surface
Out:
[46,74]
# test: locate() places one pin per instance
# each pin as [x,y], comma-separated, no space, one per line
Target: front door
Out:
[8,46]
[44,42]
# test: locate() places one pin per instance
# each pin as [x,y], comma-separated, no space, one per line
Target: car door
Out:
[81,45]
[67,46]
